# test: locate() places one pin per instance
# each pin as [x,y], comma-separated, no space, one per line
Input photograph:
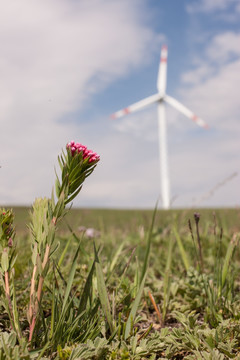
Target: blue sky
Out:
[66,65]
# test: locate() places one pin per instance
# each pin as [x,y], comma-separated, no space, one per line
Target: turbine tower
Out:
[161,98]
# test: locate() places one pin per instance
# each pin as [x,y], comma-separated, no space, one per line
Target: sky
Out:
[67,65]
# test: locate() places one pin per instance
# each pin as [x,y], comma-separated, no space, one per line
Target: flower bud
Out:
[10,242]
[196,217]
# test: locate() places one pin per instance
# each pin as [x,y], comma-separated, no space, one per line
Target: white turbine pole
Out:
[162,129]
[164,175]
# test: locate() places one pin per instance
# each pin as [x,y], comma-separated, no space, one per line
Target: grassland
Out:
[168,290]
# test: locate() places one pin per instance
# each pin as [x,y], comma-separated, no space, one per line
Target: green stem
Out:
[9,302]
[31,306]
[34,308]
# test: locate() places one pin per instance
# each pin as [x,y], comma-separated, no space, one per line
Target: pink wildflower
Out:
[86,153]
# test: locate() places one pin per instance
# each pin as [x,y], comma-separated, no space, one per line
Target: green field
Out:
[128,220]
[167,290]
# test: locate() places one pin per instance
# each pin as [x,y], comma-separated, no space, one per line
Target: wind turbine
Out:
[161,98]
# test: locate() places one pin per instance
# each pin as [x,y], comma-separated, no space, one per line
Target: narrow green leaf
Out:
[73,195]
[228,258]
[52,311]
[60,162]
[42,351]
[59,206]
[181,249]
[70,279]
[57,186]
[134,308]
[39,264]
[149,240]
[102,291]
[87,290]
[34,254]
[115,258]
[4,261]
[166,282]
[64,252]
[15,312]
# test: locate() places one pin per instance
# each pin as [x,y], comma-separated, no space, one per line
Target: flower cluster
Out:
[76,166]
[77,148]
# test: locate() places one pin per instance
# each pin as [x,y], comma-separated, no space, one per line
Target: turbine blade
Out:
[184,110]
[136,106]
[162,73]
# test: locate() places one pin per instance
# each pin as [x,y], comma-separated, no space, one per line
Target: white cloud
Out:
[209,6]
[197,75]
[224,47]
[54,55]
[223,50]
[215,96]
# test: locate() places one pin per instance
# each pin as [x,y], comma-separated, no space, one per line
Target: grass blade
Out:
[181,249]
[70,279]
[145,264]
[115,258]
[87,290]
[64,252]
[166,285]
[134,308]
[15,312]
[228,257]
[102,291]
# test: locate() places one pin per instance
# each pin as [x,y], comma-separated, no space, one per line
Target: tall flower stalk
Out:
[76,164]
